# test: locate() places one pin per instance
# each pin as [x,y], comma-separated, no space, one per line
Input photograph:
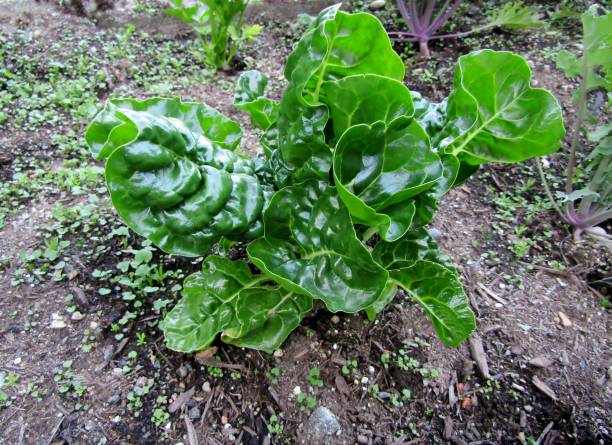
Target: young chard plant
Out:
[349,153]
[588,207]
[424,19]
[219,24]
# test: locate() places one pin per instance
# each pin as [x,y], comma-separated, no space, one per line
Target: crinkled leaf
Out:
[250,98]
[340,45]
[226,298]
[265,318]
[172,184]
[111,128]
[414,246]
[365,99]
[310,247]
[379,170]
[429,115]
[494,115]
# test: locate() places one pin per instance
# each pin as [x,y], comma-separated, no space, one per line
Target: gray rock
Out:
[114,399]
[194,413]
[323,422]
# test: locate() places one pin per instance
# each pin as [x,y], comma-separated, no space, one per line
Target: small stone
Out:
[206,387]
[224,420]
[323,422]
[335,319]
[278,353]
[182,372]
[89,425]
[364,440]
[141,381]
[297,390]
[194,413]
[94,325]
[77,316]
[114,399]
[57,322]
[565,321]
[378,4]
[17,361]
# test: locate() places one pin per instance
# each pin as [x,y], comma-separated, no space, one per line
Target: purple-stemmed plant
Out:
[424,19]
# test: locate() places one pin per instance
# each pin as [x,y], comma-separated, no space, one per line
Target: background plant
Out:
[220,26]
[350,153]
[588,207]
[424,18]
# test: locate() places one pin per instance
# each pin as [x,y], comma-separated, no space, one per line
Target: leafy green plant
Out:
[424,19]
[586,208]
[219,25]
[349,153]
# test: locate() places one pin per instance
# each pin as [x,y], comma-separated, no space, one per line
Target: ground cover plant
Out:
[219,25]
[350,152]
[587,208]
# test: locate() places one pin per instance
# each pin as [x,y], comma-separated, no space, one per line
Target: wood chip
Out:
[206,354]
[541,361]
[544,388]
[181,400]
[565,321]
[479,355]
[192,436]
[342,385]
[488,292]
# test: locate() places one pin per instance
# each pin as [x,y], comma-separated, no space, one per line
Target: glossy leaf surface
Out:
[379,170]
[310,247]
[365,99]
[438,290]
[493,115]
[250,98]
[177,187]
[427,275]
[226,298]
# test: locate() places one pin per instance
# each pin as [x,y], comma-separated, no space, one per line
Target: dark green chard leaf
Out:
[438,290]
[429,115]
[225,297]
[250,98]
[427,275]
[310,247]
[340,45]
[111,129]
[493,115]
[379,170]
[365,99]
[172,184]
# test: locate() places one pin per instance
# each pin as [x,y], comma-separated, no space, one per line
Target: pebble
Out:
[278,353]
[194,413]
[224,420]
[323,422]
[94,325]
[141,381]
[335,319]
[378,4]
[364,440]
[182,372]
[57,322]
[114,399]
[565,321]
[77,316]
[206,387]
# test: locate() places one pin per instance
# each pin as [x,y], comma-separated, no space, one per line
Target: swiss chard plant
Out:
[424,18]
[336,212]
[586,208]
[219,25]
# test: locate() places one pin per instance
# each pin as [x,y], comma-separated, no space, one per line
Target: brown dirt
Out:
[459,406]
